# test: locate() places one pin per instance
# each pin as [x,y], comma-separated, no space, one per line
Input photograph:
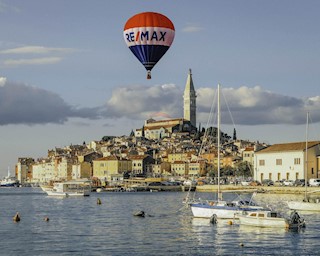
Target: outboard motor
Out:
[213,219]
[296,219]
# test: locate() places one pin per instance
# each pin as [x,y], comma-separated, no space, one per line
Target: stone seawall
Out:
[259,189]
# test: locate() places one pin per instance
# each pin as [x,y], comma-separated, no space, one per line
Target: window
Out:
[261,162]
[278,161]
[297,161]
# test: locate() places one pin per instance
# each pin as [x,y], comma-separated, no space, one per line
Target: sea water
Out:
[80,226]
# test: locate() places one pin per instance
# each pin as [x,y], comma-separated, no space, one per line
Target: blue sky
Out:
[67,76]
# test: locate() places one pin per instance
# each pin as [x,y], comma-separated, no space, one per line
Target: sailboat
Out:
[306,204]
[220,209]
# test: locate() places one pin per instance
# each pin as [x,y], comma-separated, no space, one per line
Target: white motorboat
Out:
[220,209]
[270,219]
[69,189]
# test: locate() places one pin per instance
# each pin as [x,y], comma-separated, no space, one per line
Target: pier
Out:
[259,189]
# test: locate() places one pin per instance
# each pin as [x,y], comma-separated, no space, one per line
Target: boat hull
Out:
[207,211]
[66,194]
[303,206]
[263,222]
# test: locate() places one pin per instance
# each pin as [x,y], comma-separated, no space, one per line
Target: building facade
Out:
[107,168]
[287,161]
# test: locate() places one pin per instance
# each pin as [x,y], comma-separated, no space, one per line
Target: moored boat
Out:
[308,205]
[222,209]
[9,181]
[69,189]
[270,219]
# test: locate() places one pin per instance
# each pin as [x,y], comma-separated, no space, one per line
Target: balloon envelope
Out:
[149,35]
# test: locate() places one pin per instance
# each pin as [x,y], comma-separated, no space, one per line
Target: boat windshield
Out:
[273,214]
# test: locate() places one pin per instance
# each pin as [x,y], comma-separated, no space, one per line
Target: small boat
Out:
[46,187]
[9,181]
[270,219]
[69,189]
[305,205]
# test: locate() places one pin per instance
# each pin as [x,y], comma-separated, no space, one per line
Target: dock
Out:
[258,189]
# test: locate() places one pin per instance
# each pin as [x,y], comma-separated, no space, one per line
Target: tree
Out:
[244,169]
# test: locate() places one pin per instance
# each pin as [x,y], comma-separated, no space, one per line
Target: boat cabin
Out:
[264,214]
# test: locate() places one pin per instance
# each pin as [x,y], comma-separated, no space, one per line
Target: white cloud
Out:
[248,106]
[192,28]
[3,81]
[256,106]
[141,101]
[8,8]
[36,50]
[34,61]
[33,52]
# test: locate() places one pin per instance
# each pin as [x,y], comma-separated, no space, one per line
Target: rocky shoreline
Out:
[259,189]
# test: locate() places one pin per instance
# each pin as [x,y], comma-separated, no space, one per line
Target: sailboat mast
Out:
[219,120]
[306,161]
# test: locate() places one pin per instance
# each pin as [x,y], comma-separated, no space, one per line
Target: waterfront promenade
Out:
[262,189]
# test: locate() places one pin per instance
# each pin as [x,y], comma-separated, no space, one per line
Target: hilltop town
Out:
[113,159]
[170,148]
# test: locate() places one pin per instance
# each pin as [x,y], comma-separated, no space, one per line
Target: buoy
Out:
[139,214]
[16,217]
[230,222]
[98,201]
[241,244]
[46,219]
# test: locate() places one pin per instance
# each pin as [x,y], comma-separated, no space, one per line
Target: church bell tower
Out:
[189,101]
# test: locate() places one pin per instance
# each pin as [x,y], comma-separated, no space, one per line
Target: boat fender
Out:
[16,217]
[213,219]
[98,201]
[46,218]
[139,214]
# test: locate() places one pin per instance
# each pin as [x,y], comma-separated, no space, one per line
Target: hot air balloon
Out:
[148,35]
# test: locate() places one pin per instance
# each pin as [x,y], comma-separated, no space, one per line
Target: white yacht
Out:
[9,181]
[69,189]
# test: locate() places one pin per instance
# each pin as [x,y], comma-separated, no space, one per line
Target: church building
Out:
[154,129]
